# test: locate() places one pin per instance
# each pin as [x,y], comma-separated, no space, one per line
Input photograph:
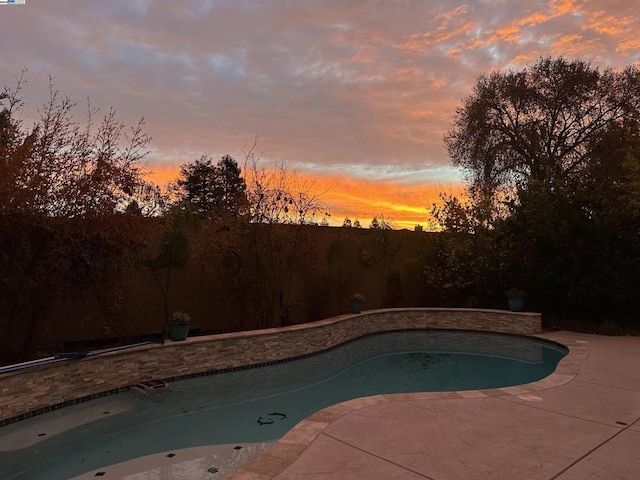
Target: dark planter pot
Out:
[515,304]
[178,332]
[356,306]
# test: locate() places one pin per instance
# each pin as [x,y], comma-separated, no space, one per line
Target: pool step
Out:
[149,387]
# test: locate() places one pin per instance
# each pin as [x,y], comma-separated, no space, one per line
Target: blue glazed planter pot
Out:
[178,332]
[515,304]
[356,306]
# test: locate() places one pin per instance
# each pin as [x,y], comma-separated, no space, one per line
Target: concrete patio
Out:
[582,422]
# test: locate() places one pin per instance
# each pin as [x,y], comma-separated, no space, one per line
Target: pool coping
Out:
[288,448]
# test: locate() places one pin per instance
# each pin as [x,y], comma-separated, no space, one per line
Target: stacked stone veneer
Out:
[36,390]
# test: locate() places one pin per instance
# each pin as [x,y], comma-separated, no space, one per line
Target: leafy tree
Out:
[538,125]
[453,215]
[356,223]
[214,191]
[232,191]
[347,222]
[551,154]
[197,185]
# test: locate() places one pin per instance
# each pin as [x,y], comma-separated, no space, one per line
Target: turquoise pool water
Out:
[262,404]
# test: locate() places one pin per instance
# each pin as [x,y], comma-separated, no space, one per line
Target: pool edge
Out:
[83,379]
[285,451]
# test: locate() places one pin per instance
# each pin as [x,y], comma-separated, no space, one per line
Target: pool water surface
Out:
[262,404]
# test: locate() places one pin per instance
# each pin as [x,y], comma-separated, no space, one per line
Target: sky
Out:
[353,95]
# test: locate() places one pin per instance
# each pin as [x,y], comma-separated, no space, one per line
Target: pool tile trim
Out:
[566,371]
[58,406]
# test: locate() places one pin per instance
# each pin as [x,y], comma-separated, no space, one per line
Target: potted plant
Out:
[179,327]
[357,302]
[515,297]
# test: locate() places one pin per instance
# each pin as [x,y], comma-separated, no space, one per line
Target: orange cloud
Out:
[419,43]
[512,32]
[161,174]
[609,24]
[563,7]
[577,45]
[449,25]
[629,45]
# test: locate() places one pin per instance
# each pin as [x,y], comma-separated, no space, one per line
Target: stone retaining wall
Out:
[40,389]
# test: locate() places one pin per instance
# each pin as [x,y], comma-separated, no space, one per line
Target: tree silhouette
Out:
[379,223]
[537,126]
[552,155]
[278,195]
[61,168]
[213,191]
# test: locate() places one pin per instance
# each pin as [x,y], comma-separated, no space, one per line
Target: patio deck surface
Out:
[582,422]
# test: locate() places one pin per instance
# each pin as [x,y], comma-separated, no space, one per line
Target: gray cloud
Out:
[367,87]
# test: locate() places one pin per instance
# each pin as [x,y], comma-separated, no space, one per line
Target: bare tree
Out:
[380,223]
[278,195]
[278,254]
[60,167]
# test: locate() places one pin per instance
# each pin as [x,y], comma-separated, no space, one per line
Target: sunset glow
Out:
[355,96]
[404,205]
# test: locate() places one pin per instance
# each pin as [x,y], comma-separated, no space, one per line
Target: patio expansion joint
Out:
[616,387]
[386,460]
[538,406]
[583,457]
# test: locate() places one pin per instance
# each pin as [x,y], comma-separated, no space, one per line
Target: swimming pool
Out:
[262,404]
